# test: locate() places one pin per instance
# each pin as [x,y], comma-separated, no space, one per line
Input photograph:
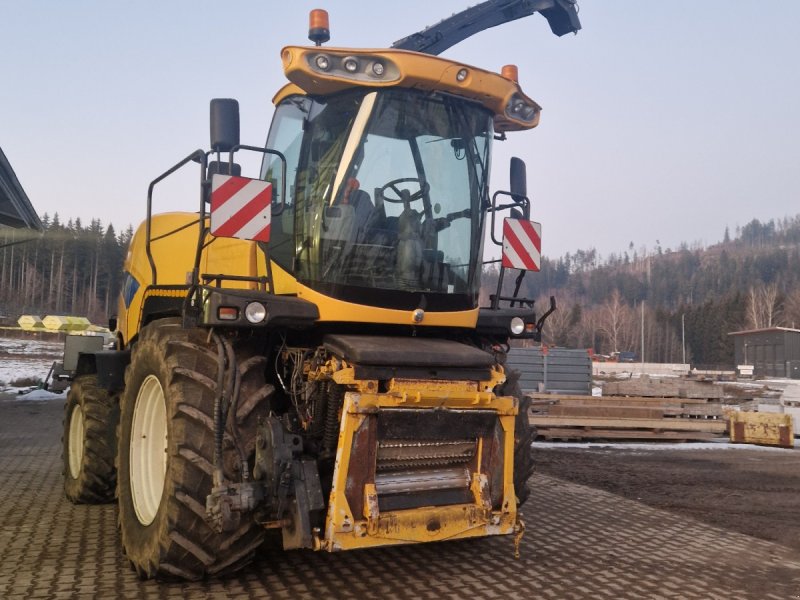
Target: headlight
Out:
[255,312]
[517,325]
[360,67]
[350,64]
[517,108]
[323,62]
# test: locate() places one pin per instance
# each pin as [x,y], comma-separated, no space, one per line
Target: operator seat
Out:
[409,246]
[361,206]
[362,210]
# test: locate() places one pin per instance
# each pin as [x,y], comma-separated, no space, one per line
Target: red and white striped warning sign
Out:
[241,207]
[522,244]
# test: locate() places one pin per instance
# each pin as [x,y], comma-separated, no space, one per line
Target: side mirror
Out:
[224,124]
[518,179]
[223,168]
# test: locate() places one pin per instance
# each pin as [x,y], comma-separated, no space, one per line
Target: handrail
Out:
[198,156]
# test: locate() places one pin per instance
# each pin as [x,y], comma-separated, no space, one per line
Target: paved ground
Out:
[581,543]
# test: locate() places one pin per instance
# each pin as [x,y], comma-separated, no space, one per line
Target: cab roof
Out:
[320,71]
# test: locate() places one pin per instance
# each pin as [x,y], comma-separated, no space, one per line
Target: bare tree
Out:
[772,307]
[560,325]
[763,309]
[615,322]
[586,331]
[791,310]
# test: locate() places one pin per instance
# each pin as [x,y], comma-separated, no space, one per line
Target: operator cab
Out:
[384,195]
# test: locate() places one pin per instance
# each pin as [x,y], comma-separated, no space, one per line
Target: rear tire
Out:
[524,434]
[89,442]
[166,453]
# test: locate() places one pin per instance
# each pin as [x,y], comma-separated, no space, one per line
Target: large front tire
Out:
[166,454]
[524,434]
[89,442]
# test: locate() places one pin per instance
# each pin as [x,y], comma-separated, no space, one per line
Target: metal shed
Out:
[773,352]
[16,209]
[559,370]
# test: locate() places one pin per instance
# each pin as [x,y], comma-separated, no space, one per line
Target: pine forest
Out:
[70,269]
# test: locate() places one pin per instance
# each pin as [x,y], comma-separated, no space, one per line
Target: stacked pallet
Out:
[668,387]
[628,418]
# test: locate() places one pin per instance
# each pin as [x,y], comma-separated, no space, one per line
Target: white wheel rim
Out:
[77,430]
[148,450]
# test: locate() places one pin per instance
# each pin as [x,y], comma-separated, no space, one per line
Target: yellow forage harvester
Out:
[306,354]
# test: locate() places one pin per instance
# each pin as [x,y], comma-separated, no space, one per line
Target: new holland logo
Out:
[240,207]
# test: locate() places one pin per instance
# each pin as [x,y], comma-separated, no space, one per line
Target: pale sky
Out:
[661,120]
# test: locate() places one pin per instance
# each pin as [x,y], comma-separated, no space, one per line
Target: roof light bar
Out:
[359,67]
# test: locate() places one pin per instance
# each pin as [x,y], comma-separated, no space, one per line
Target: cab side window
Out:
[285,136]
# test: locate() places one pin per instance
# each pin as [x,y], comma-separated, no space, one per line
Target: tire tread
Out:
[96,481]
[180,544]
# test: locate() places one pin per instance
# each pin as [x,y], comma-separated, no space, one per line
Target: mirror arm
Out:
[282,158]
[523,202]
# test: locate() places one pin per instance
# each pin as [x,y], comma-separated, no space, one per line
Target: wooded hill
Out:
[751,279]
[747,281]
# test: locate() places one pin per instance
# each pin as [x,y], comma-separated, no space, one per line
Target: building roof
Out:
[16,209]
[764,330]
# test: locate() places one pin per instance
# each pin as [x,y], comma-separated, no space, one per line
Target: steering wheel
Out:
[402,197]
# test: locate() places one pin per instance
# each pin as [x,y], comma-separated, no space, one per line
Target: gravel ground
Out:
[749,491]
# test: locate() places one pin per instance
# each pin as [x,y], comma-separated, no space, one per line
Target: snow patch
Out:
[26,359]
[40,395]
[722,444]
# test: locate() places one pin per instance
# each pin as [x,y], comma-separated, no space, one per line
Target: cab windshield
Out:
[384,198]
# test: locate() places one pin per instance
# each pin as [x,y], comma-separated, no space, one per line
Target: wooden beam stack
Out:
[635,417]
